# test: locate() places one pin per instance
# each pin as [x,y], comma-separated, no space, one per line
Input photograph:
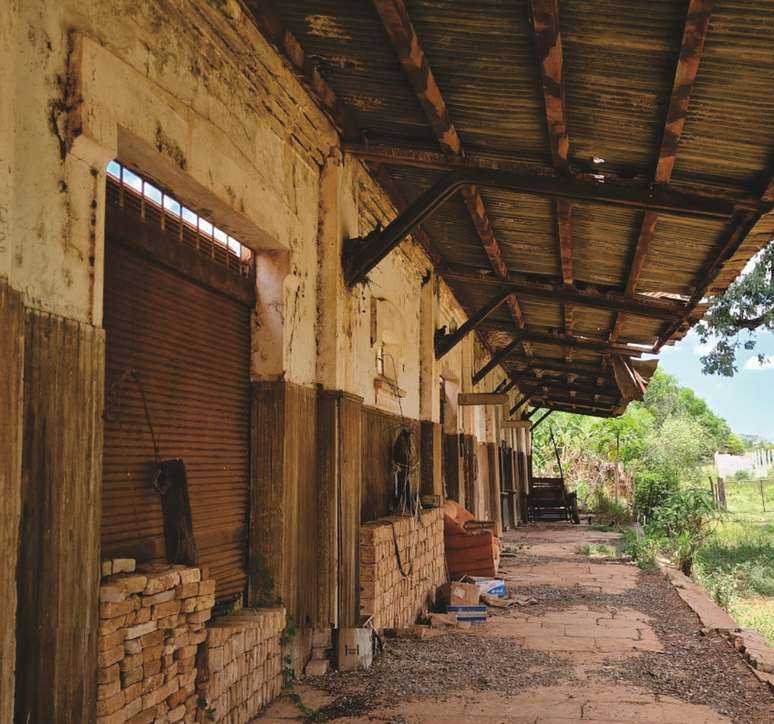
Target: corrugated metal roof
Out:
[617,76]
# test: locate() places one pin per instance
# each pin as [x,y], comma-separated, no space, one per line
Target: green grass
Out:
[597,550]
[736,564]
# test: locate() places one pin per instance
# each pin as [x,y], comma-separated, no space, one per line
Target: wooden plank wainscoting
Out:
[282,550]
[339,443]
[11,381]
[380,430]
[59,554]
[431,453]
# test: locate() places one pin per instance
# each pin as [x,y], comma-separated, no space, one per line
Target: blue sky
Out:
[746,401]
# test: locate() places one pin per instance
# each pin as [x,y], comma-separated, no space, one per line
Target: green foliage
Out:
[643,549]
[734,316]
[684,521]
[608,509]
[651,489]
[597,550]
[736,565]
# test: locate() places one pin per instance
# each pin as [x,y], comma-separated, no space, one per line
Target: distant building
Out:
[756,462]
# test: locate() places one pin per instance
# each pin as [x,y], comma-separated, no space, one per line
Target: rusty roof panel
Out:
[679,249]
[485,66]
[619,61]
[729,134]
[349,44]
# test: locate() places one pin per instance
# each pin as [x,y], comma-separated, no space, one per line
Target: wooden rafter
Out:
[640,305]
[273,28]
[583,342]
[694,34]
[405,42]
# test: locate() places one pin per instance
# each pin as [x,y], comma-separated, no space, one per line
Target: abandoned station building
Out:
[278,278]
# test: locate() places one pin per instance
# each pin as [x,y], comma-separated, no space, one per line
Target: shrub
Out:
[642,548]
[651,490]
[684,521]
[609,509]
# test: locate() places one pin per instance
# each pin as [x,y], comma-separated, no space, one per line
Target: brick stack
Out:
[240,665]
[151,623]
[395,600]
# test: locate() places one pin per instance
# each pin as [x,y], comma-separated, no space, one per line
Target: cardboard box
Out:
[355,649]
[473,614]
[491,587]
[459,594]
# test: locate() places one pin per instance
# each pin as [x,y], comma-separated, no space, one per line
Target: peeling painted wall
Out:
[192,95]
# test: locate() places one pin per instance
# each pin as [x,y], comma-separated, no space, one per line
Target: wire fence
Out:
[749,496]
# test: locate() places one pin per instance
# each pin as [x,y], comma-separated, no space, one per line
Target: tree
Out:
[734,317]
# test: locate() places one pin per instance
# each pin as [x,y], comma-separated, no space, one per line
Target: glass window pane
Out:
[189,216]
[132,180]
[152,193]
[205,226]
[234,245]
[171,205]
[220,236]
[114,169]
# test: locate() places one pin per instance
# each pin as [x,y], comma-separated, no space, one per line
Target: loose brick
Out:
[110,657]
[158,582]
[157,696]
[189,575]
[133,646]
[111,594]
[133,692]
[154,638]
[111,704]
[152,653]
[140,629]
[157,598]
[105,691]
[207,588]
[141,615]
[169,608]
[130,662]
[197,603]
[124,565]
[151,668]
[108,674]
[186,590]
[199,617]
[151,683]
[131,676]
[113,609]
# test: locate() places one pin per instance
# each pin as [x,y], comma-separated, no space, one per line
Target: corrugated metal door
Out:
[190,347]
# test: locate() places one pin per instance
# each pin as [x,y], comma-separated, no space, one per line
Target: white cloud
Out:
[702,349]
[755,364]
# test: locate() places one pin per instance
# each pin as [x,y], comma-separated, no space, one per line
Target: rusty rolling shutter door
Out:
[190,346]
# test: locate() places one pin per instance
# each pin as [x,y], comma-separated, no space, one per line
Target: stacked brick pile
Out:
[393,599]
[151,623]
[240,665]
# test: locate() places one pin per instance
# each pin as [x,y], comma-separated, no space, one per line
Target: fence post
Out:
[721,493]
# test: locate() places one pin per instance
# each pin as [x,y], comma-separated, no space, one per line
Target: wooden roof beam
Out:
[405,42]
[694,34]
[364,253]
[589,344]
[445,342]
[640,305]
[273,28]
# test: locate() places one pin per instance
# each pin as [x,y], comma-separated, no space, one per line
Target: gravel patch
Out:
[437,667]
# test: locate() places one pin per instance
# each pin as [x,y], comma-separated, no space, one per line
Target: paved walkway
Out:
[600,642]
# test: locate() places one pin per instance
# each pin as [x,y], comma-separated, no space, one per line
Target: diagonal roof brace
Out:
[363,253]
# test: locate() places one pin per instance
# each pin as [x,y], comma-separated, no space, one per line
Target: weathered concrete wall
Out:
[189,93]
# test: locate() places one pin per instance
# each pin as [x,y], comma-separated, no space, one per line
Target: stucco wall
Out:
[191,94]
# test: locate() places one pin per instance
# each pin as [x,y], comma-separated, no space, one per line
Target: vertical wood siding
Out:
[59,548]
[11,381]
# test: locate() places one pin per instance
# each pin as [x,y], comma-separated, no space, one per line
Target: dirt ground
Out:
[602,642]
